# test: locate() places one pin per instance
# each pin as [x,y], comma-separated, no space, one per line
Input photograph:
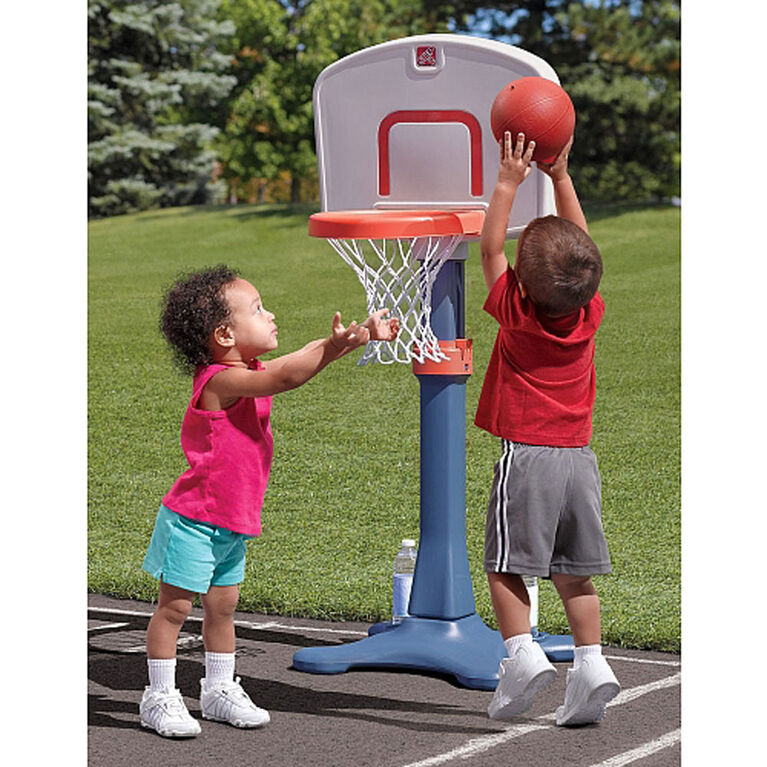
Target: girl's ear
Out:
[223,336]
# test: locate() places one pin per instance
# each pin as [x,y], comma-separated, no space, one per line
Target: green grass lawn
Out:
[344,487]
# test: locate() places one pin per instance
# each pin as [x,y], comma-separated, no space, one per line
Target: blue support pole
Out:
[444,588]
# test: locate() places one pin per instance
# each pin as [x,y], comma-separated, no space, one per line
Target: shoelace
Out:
[233,691]
[235,688]
[172,702]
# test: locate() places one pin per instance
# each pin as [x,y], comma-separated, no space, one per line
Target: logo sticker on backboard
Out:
[426,56]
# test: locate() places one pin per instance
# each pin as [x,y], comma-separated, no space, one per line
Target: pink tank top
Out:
[229,454]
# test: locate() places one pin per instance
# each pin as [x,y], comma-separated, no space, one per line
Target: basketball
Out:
[540,109]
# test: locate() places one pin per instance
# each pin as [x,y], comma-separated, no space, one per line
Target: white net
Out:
[398,274]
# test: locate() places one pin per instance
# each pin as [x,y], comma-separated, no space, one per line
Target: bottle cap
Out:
[409,542]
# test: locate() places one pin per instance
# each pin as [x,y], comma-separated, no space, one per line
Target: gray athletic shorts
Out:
[545,513]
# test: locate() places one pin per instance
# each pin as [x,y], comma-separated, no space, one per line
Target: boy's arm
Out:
[288,371]
[565,196]
[513,170]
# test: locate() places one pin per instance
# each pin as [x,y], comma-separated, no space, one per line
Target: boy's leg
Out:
[581,604]
[511,603]
[591,683]
[526,670]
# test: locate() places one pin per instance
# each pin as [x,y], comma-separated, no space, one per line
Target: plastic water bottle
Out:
[404,567]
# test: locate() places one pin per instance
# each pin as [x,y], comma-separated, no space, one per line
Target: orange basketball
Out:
[540,109]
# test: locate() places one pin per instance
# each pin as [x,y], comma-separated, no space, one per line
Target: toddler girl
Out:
[218,327]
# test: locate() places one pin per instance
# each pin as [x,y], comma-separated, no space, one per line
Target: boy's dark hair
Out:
[193,307]
[558,264]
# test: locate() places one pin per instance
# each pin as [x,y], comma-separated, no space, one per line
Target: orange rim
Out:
[390,224]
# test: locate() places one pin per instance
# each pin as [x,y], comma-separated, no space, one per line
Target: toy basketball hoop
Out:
[397,256]
[407,164]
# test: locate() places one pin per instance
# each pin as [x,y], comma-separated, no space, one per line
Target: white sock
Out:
[219,667]
[162,673]
[514,643]
[579,653]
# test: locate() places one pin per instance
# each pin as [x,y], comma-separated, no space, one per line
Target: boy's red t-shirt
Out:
[539,386]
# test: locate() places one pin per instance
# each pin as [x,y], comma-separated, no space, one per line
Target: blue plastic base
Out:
[558,647]
[464,648]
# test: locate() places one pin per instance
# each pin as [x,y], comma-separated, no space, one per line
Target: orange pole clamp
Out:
[459,361]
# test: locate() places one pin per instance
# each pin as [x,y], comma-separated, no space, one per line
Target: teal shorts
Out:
[194,555]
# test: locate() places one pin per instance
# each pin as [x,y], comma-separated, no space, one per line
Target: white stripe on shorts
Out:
[501,518]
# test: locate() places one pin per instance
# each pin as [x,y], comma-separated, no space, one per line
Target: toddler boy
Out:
[544,515]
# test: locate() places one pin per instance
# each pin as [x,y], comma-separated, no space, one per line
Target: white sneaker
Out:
[589,688]
[519,678]
[165,712]
[228,702]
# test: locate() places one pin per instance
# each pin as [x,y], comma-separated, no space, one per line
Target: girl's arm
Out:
[283,373]
[514,169]
[380,329]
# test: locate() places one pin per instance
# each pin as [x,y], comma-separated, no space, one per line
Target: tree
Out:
[282,46]
[155,74]
[620,62]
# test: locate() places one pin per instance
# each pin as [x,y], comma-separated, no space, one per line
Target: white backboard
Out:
[406,124]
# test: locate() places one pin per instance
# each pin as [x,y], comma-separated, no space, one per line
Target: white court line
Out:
[640,752]
[626,696]
[106,626]
[644,660]
[347,632]
[480,745]
[190,641]
[244,624]
[486,742]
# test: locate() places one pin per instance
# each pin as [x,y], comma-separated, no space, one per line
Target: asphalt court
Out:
[362,717]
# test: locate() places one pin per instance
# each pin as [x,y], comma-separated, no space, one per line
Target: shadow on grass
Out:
[241,212]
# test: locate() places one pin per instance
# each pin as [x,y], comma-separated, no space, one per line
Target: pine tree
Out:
[156,73]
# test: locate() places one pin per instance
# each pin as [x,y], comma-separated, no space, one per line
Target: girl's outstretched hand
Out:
[381,329]
[346,339]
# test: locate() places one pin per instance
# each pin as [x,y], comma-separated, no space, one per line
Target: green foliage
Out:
[178,89]
[281,49]
[344,487]
[155,76]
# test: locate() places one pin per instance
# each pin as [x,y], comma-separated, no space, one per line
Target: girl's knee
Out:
[221,600]
[174,604]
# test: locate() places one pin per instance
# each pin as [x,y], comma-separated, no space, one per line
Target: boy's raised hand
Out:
[346,339]
[381,329]
[515,160]
[558,168]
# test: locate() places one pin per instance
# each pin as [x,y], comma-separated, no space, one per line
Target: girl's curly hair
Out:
[193,307]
